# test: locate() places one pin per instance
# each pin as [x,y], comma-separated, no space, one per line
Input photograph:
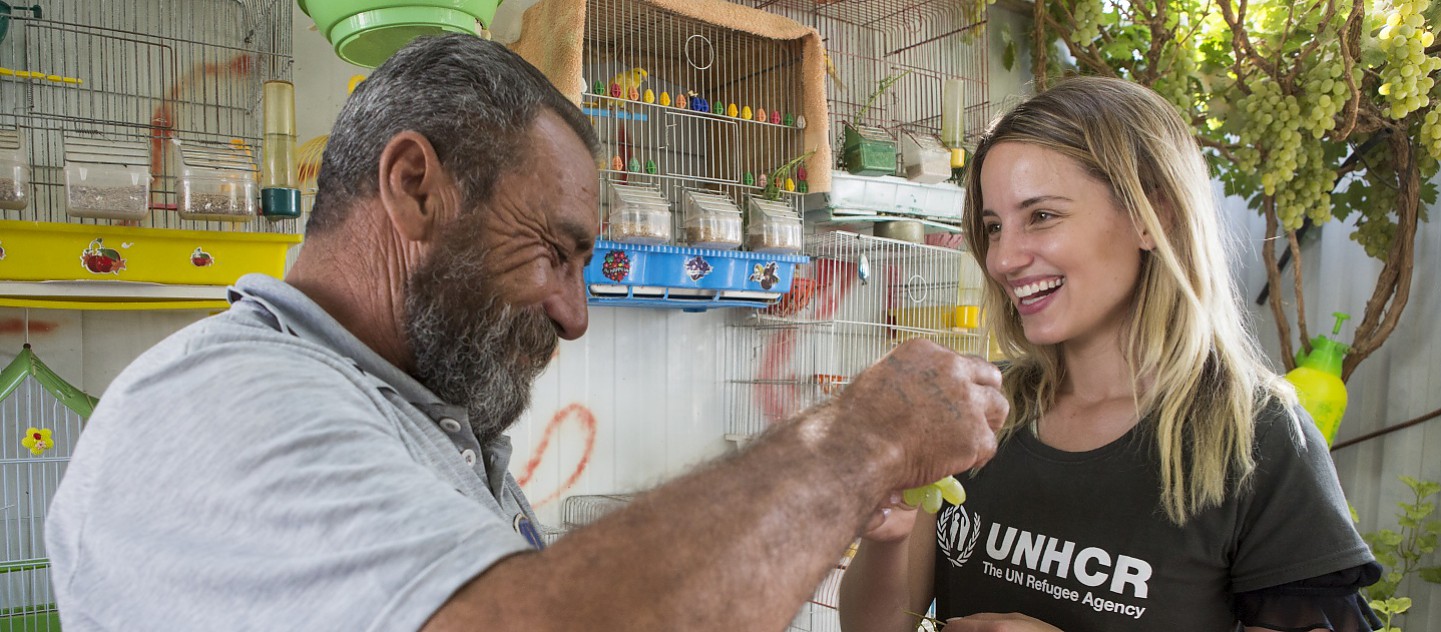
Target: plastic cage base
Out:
[689,279]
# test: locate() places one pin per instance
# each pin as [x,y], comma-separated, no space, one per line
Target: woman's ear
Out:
[1165,218]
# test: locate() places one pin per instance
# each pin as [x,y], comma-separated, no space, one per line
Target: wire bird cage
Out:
[40,421]
[859,298]
[685,107]
[923,42]
[137,74]
[580,510]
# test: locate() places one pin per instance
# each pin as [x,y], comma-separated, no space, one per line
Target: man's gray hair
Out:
[473,99]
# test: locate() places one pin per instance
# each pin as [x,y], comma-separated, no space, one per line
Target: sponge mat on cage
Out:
[553,31]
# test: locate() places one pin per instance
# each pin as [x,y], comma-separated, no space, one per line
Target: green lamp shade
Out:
[368,32]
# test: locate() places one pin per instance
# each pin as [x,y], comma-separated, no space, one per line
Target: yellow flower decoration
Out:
[38,440]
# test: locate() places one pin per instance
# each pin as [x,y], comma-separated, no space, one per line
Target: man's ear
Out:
[413,187]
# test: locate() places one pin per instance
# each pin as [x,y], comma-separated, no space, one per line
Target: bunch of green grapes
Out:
[1325,94]
[1179,60]
[1374,227]
[1087,20]
[1308,192]
[1431,133]
[929,497]
[1405,75]
[1375,233]
[1273,131]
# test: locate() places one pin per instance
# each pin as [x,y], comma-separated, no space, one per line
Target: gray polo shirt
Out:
[264,470]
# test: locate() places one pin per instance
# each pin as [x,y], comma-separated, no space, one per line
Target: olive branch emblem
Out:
[956,525]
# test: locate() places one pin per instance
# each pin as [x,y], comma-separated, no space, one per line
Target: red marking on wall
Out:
[17,326]
[162,121]
[774,397]
[780,398]
[586,419]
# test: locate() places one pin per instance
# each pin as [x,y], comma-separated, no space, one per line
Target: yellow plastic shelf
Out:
[127,267]
[44,251]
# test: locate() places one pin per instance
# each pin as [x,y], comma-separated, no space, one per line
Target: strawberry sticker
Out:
[37,440]
[201,259]
[98,259]
[616,266]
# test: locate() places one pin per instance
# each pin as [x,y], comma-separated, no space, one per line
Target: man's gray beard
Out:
[471,349]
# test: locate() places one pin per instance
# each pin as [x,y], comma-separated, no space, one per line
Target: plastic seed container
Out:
[14,171]
[711,221]
[107,179]
[639,215]
[217,183]
[772,227]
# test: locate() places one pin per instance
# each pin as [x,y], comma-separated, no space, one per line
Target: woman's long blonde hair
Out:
[1205,380]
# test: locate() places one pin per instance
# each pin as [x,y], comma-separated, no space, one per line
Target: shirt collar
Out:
[294,313]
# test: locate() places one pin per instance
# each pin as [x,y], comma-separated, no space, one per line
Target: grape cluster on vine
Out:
[1178,61]
[1375,228]
[1406,80]
[1086,20]
[1431,133]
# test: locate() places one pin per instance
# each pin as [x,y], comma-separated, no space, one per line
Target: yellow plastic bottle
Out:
[1317,378]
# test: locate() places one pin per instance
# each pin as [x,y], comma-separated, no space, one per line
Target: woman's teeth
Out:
[1032,289]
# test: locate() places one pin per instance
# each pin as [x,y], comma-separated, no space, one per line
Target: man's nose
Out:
[566,308]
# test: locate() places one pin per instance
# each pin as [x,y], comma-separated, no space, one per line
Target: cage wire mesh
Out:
[858,298]
[645,71]
[583,509]
[27,483]
[924,42]
[141,72]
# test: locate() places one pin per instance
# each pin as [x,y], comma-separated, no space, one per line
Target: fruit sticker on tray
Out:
[616,266]
[696,268]
[98,259]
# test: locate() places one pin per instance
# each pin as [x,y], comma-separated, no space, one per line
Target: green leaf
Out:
[1427,488]
[1008,55]
[1430,573]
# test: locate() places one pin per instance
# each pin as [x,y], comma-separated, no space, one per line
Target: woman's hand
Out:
[994,622]
[892,521]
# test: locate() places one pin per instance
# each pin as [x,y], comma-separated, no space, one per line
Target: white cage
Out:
[858,298]
[40,421]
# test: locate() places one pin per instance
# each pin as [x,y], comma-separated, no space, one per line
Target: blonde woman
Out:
[1153,473]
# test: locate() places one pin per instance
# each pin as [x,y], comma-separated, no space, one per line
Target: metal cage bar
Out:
[141,70]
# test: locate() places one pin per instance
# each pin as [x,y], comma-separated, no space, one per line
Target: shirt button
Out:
[469,456]
[450,425]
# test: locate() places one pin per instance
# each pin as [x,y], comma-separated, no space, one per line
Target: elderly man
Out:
[327,455]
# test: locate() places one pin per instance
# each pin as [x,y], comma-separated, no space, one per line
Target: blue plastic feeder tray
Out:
[690,279]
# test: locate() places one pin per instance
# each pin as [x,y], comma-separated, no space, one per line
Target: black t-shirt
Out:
[1079,539]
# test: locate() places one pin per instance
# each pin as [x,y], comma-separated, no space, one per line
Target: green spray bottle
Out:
[1317,378]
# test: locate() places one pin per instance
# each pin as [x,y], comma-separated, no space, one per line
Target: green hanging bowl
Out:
[367,32]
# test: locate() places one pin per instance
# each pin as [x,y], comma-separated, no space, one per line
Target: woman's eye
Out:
[1042,216]
[993,229]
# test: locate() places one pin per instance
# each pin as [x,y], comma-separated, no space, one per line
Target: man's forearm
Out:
[737,545]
